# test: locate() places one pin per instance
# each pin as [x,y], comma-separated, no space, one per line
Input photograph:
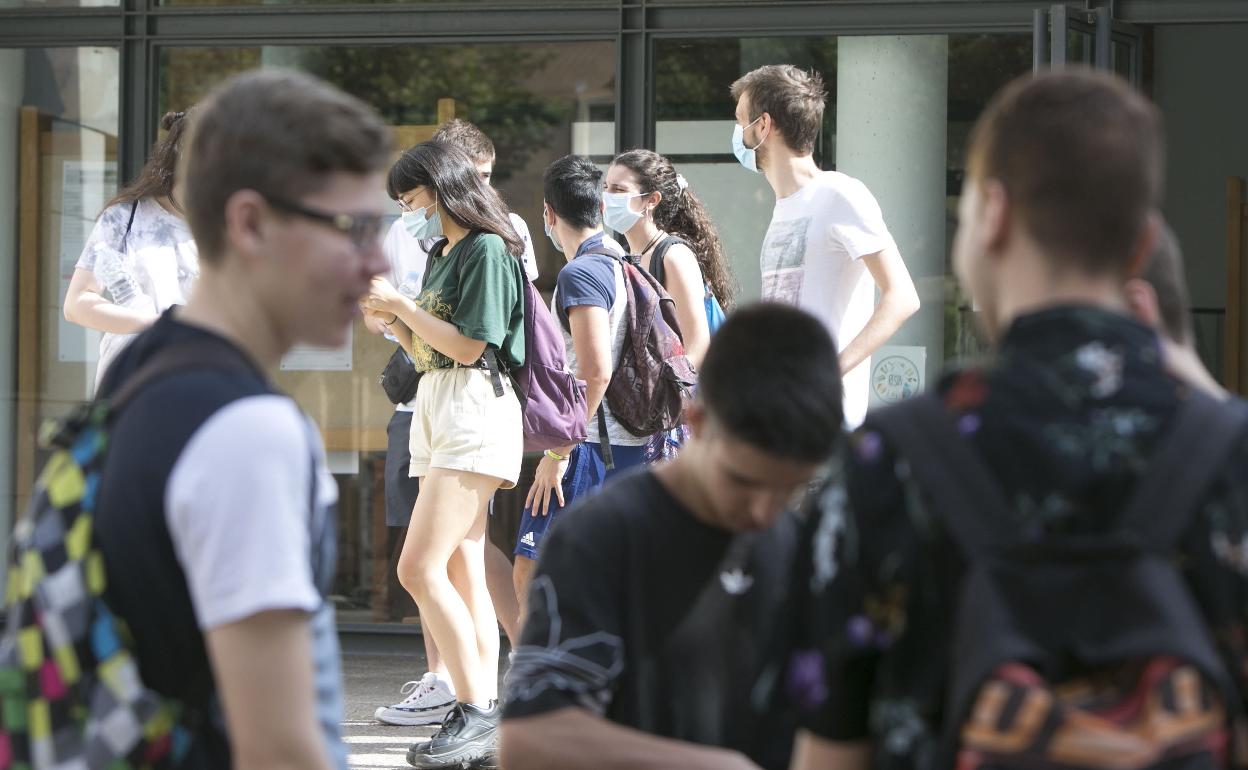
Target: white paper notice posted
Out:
[305,358]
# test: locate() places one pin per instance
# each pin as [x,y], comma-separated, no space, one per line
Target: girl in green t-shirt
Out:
[466,440]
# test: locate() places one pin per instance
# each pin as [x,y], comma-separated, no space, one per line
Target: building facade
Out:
[83,84]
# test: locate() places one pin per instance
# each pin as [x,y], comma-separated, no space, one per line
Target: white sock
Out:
[445,681]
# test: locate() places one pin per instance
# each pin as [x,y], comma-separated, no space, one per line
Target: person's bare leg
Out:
[467,572]
[432,657]
[498,576]
[522,575]
[449,509]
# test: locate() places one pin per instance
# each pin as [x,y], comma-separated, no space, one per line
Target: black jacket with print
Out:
[1066,415]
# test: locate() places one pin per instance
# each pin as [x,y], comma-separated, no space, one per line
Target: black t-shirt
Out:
[648,617]
[191,543]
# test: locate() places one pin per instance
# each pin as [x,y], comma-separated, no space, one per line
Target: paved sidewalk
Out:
[373,679]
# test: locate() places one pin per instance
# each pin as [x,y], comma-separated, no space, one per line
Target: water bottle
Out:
[116,271]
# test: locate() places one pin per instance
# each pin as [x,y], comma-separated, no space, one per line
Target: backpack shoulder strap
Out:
[1191,456]
[657,268]
[958,484]
[603,251]
[134,207]
[197,354]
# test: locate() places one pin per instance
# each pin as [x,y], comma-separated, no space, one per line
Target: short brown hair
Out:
[279,133]
[793,97]
[1164,271]
[1081,156]
[468,138]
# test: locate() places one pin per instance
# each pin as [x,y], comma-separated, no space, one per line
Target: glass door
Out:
[1065,36]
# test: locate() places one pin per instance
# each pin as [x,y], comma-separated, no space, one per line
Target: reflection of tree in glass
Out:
[487,82]
[979,65]
[188,74]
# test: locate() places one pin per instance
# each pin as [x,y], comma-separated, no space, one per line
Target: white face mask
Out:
[554,239]
[746,156]
[618,214]
[421,225]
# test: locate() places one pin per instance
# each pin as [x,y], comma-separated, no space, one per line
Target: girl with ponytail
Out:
[665,223]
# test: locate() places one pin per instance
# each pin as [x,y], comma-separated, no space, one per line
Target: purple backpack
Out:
[552,399]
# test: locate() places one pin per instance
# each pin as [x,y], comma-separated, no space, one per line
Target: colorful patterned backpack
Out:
[71,697]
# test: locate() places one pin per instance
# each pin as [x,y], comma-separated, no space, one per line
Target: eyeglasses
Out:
[407,206]
[362,229]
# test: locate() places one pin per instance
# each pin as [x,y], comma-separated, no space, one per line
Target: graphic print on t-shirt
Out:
[784,260]
[586,665]
[424,357]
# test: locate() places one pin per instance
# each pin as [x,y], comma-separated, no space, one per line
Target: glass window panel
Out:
[537,102]
[1121,55]
[873,129]
[1080,47]
[58,141]
[58,3]
[580,3]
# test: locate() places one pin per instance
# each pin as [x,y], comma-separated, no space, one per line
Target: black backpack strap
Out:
[195,354]
[604,438]
[957,482]
[134,207]
[1192,455]
[657,268]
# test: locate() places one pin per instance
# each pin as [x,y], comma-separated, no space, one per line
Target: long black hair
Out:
[681,213]
[447,170]
[156,178]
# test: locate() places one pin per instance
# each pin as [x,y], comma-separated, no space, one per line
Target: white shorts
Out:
[459,424]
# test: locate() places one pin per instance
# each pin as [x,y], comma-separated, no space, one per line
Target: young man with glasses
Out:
[215,511]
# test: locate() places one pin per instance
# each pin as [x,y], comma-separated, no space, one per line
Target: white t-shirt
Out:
[408,258]
[159,254]
[812,256]
[225,535]
[529,258]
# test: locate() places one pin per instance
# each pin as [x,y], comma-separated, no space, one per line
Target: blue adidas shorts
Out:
[586,472]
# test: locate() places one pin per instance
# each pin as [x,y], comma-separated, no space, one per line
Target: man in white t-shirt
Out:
[827,248]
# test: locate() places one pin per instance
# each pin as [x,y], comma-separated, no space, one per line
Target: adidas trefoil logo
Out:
[736,582]
[528,540]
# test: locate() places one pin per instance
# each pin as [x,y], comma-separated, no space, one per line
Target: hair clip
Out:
[682,183]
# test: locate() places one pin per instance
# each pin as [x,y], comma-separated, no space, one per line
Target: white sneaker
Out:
[426,703]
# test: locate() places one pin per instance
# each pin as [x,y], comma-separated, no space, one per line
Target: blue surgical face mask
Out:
[745,155]
[550,233]
[422,226]
[618,215]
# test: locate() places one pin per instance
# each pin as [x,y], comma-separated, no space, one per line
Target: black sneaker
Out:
[468,738]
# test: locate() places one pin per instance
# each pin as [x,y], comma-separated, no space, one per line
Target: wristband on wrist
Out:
[555,455]
[393,317]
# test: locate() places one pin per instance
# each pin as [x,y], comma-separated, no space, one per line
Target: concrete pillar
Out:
[891,131]
[12,76]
